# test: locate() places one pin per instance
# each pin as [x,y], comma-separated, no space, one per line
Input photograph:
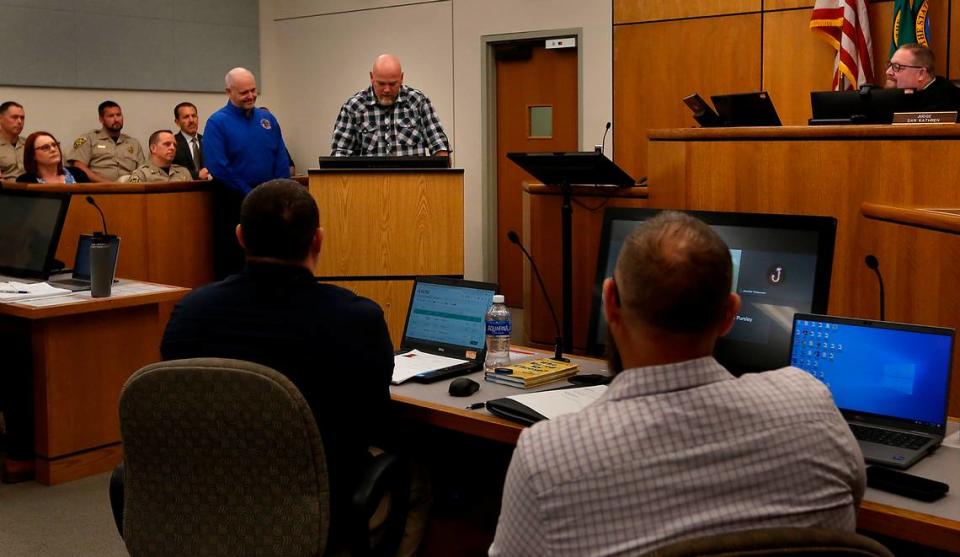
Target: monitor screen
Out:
[877,368]
[781,266]
[30,226]
[449,313]
[873,106]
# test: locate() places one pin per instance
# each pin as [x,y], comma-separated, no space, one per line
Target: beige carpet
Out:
[70,519]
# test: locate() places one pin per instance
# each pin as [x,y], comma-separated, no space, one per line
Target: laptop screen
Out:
[81,264]
[875,367]
[30,226]
[448,313]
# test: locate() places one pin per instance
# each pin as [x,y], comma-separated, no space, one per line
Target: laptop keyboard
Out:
[887,437]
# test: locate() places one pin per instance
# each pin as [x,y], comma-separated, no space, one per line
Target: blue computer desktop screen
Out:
[882,371]
[451,315]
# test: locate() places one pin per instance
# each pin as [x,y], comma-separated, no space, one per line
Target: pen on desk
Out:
[476,406]
[14,292]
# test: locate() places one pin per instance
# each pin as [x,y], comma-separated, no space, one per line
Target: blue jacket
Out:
[244,151]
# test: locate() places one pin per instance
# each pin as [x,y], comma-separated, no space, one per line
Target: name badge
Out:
[947,117]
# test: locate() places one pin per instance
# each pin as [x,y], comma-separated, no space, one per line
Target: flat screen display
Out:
[781,266]
[450,314]
[30,226]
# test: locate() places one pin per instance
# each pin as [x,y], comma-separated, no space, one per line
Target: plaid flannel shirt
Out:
[409,127]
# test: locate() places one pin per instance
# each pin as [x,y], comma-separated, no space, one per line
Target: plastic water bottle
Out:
[499,328]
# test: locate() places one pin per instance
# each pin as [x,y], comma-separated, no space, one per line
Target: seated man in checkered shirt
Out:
[388,118]
[677,447]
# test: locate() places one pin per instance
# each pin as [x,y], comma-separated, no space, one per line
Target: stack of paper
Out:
[532,373]
[415,362]
[13,291]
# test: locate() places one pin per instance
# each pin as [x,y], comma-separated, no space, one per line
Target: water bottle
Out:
[499,328]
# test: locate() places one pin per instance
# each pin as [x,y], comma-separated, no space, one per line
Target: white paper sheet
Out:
[14,291]
[415,362]
[558,402]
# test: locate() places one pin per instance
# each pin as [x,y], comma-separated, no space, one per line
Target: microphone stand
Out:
[558,342]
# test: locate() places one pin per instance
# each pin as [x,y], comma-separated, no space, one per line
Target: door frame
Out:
[488,108]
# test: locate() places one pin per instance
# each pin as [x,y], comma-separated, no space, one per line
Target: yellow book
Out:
[532,373]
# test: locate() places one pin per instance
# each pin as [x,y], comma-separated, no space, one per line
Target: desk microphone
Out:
[103,219]
[874,264]
[558,347]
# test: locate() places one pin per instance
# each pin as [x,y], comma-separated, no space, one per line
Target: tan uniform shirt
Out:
[153,173]
[108,158]
[11,158]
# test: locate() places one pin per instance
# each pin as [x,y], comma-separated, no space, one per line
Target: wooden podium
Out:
[385,227]
[880,182]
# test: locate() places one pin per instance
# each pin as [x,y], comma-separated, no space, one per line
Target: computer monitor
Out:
[30,227]
[868,106]
[384,162]
[781,265]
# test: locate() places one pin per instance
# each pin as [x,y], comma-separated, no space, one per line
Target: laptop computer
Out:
[446,318]
[746,109]
[30,226]
[80,278]
[890,381]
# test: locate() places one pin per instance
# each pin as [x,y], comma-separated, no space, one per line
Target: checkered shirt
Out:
[681,451]
[409,127]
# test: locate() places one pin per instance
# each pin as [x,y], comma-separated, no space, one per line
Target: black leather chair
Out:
[224,457]
[780,542]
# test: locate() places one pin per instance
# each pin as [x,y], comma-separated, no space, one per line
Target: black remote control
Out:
[905,484]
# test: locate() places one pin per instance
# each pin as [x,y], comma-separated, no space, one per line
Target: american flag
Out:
[845,25]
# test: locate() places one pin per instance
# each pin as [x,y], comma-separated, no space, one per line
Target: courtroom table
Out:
[864,176]
[84,349]
[934,524]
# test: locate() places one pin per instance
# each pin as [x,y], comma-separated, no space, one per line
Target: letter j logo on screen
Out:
[776,275]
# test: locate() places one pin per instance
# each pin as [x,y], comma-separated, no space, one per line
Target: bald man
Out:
[242,147]
[388,118]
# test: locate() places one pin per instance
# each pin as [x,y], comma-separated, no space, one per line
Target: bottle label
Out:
[499,328]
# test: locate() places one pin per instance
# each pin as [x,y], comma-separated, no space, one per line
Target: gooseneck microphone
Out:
[558,347]
[103,219]
[874,264]
[603,140]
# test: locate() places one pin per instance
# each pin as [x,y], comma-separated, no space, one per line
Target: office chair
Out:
[224,457]
[780,542]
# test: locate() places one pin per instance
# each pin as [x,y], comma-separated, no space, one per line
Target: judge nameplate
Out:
[948,117]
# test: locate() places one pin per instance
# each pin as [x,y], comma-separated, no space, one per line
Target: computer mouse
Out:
[461,386]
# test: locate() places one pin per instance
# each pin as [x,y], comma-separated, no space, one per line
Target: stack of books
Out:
[532,373]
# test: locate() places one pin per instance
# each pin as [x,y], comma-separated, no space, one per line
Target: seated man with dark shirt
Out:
[332,344]
[912,67]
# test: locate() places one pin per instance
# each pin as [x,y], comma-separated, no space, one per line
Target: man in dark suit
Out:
[332,344]
[912,67]
[189,141]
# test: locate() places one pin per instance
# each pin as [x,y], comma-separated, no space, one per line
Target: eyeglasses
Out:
[47,148]
[897,68]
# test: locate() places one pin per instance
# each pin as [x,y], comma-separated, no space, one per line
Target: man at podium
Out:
[388,118]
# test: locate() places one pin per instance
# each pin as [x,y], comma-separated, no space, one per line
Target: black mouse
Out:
[461,386]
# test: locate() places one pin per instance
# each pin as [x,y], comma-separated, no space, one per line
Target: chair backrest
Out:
[223,457]
[780,542]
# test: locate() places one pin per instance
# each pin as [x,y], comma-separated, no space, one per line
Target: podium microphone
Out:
[603,140]
[874,264]
[558,347]
[103,219]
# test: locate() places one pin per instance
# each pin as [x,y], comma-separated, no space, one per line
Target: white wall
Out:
[69,113]
[314,57]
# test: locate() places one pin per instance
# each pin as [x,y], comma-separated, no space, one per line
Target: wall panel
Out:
[787,40]
[635,11]
[652,74]
[769,5]
[954,62]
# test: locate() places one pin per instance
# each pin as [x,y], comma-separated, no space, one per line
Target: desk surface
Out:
[935,524]
[125,293]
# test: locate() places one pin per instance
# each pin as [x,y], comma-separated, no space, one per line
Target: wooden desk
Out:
[934,524]
[83,351]
[863,176]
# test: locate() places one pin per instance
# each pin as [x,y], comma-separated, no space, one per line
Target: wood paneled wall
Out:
[664,50]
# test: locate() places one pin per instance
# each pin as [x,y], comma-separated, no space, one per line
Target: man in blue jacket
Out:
[242,147]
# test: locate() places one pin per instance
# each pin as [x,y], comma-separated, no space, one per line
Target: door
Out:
[537,111]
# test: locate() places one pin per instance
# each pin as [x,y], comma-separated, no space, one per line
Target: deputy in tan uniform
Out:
[160,167]
[106,155]
[12,118]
